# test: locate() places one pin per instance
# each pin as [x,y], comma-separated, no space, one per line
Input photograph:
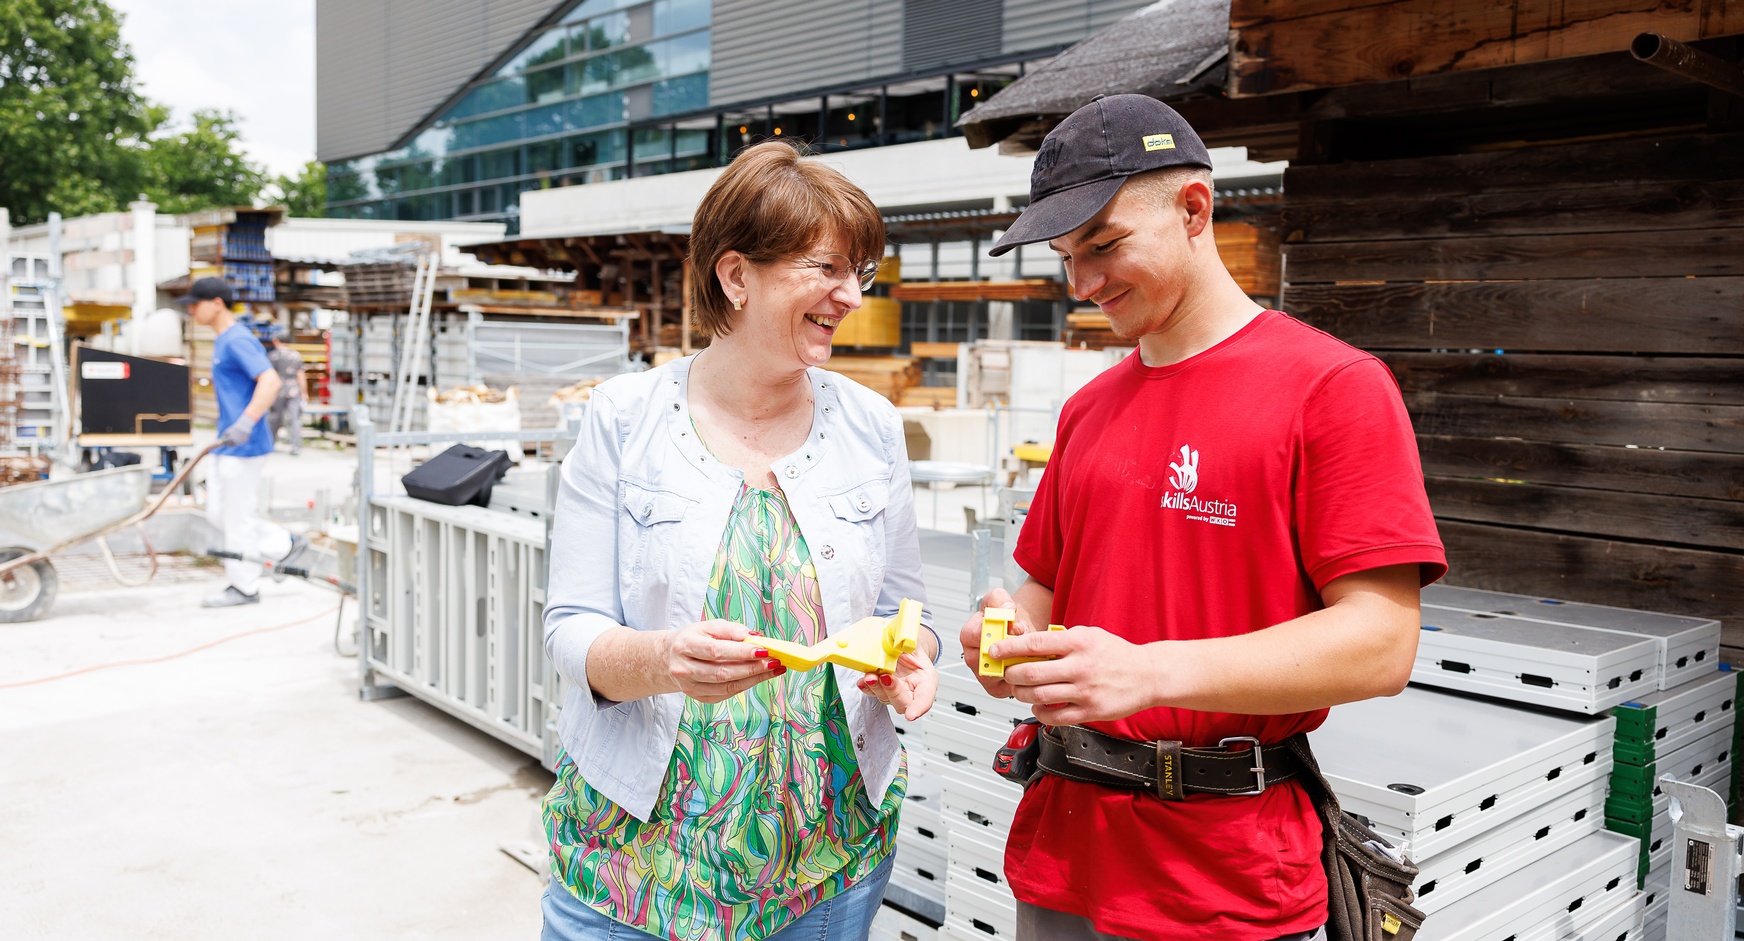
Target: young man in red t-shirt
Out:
[1233,525]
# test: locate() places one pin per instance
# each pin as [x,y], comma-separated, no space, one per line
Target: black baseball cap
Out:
[207,289]
[1083,162]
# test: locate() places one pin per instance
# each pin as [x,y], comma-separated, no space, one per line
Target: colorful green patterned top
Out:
[763,813]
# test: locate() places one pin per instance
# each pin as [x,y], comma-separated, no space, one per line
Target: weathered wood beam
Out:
[1287,45]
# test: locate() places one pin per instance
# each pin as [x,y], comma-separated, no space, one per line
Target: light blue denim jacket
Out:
[640,515]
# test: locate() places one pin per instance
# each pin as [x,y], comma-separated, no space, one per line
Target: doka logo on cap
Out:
[1159,142]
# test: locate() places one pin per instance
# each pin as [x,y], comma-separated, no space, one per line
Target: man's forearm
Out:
[1359,647]
[266,392]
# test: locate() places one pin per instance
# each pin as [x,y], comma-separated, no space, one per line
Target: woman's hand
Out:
[717,660]
[910,691]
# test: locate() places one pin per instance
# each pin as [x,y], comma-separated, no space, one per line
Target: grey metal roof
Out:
[1170,49]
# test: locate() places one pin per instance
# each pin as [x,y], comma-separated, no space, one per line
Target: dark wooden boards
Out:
[1703,316]
[1282,45]
[1603,571]
[1684,521]
[1675,253]
[1687,379]
[1580,421]
[1704,474]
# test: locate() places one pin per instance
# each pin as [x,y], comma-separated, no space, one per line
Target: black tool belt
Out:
[1166,769]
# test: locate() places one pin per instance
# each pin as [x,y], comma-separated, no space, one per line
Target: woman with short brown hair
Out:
[704,792]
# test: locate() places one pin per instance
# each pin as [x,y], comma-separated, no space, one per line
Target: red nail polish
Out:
[886,680]
[759,653]
[776,665]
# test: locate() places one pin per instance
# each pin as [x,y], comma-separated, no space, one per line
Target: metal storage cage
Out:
[454,596]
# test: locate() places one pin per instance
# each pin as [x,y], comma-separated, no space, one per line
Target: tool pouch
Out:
[1368,881]
[1016,760]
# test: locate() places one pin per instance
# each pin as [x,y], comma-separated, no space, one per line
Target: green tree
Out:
[71,123]
[201,167]
[302,195]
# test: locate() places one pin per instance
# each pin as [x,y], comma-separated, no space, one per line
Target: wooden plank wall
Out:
[1295,45]
[1567,327]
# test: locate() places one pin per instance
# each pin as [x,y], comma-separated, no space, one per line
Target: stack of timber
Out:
[1562,323]
[1087,328]
[888,376]
[1252,255]
[929,397]
[1029,289]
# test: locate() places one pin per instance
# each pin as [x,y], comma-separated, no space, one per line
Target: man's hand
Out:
[971,640]
[1096,676]
[239,432]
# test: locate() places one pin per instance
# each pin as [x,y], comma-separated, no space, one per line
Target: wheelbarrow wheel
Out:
[27,592]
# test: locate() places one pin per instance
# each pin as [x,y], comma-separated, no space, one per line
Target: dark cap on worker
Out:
[1083,162]
[207,289]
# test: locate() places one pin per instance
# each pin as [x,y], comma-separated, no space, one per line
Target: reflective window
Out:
[676,16]
[545,85]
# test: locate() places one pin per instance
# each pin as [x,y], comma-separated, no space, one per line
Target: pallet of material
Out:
[503,298]
[1029,289]
[929,396]
[1252,256]
[888,376]
[1088,328]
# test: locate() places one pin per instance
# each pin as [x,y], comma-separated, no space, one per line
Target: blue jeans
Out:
[846,917]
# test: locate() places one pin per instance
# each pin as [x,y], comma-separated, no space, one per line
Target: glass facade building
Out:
[620,88]
[558,112]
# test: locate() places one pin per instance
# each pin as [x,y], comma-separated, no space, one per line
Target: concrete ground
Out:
[174,772]
[242,790]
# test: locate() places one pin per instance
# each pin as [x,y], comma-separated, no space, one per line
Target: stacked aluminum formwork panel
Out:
[454,597]
[1688,732]
[1474,791]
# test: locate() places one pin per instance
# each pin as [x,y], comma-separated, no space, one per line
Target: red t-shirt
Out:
[1210,498]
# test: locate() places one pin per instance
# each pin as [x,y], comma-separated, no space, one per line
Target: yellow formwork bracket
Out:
[995,627]
[870,645]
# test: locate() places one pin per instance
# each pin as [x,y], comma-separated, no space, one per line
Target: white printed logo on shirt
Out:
[1185,480]
[1186,474]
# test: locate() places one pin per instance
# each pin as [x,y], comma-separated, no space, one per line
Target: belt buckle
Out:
[1259,766]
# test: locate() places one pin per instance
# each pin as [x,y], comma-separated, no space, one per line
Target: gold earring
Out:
[738,303]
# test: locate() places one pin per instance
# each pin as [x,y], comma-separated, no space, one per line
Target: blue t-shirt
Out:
[237,358]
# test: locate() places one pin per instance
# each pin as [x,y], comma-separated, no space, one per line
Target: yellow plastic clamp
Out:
[870,645]
[995,627]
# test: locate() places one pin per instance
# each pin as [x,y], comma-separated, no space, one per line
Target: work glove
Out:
[238,433]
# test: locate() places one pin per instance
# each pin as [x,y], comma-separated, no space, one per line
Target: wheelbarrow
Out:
[62,514]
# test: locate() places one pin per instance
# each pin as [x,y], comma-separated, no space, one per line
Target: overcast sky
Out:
[248,56]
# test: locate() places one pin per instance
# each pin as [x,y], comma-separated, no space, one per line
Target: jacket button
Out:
[860,742]
[828,552]
[648,510]
[865,505]
[792,470]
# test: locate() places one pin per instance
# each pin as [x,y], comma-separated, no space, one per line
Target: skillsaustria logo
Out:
[1185,480]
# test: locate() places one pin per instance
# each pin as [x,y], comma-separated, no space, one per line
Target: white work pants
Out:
[232,494]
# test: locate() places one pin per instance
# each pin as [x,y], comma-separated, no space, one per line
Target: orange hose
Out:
[129,663]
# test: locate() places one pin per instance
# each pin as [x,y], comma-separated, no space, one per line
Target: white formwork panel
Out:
[892,924]
[921,854]
[1539,663]
[1431,769]
[1688,647]
[1706,761]
[467,590]
[976,853]
[1498,853]
[1558,895]
[979,909]
[1625,921]
[961,693]
[976,797]
[1685,714]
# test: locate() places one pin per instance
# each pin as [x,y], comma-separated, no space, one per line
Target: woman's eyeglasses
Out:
[837,269]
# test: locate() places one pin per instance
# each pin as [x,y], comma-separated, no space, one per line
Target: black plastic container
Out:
[458,476]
